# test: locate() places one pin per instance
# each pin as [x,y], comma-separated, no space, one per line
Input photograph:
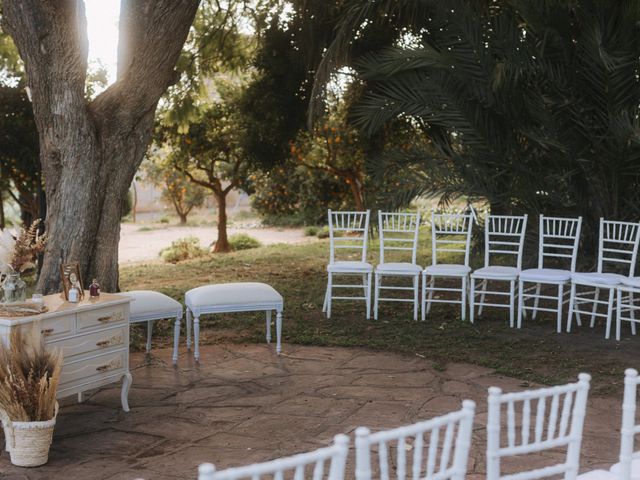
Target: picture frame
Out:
[70,274]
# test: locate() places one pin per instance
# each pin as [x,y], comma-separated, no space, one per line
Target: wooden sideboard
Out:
[93,336]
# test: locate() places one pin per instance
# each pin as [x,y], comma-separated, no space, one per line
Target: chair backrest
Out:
[618,245]
[536,421]
[450,232]
[297,467]
[504,235]
[399,231]
[559,238]
[349,231]
[629,426]
[440,448]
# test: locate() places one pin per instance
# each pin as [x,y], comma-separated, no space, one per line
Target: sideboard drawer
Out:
[93,367]
[57,327]
[93,342]
[101,317]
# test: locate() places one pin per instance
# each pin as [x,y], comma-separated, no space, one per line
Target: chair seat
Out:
[545,275]
[497,272]
[447,270]
[149,305]
[601,278]
[635,468]
[399,268]
[349,267]
[232,296]
[631,282]
[597,475]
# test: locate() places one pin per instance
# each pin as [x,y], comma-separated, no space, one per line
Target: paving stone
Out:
[242,403]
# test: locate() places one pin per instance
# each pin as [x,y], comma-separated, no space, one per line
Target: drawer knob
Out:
[103,368]
[46,332]
[104,319]
[103,343]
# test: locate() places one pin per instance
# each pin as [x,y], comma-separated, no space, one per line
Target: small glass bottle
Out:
[94,289]
[74,294]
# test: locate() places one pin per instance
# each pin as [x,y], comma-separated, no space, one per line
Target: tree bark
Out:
[222,243]
[90,152]
[2,220]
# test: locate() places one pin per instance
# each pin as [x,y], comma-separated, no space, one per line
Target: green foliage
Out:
[182,249]
[533,106]
[311,231]
[242,241]
[164,219]
[177,189]
[294,192]
[323,233]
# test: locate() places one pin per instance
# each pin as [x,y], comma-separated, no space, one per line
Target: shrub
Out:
[311,231]
[164,219]
[182,249]
[323,232]
[242,241]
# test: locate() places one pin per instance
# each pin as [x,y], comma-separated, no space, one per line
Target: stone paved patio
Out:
[244,404]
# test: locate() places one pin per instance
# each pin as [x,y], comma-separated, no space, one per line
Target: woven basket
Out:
[28,442]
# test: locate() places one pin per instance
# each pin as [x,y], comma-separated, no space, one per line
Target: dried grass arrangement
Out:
[29,375]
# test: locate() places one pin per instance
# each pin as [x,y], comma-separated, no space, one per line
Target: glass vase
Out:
[14,289]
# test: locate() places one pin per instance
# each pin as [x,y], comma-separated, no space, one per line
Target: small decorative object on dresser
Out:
[70,275]
[17,258]
[94,289]
[28,406]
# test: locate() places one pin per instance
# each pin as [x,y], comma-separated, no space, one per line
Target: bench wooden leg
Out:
[196,338]
[268,326]
[278,331]
[176,339]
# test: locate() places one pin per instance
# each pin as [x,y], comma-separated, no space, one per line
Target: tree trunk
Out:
[183,218]
[356,191]
[90,152]
[2,220]
[222,243]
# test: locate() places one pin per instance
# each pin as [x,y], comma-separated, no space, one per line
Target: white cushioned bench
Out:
[233,297]
[148,306]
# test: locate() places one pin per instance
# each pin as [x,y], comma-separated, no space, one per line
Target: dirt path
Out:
[138,243]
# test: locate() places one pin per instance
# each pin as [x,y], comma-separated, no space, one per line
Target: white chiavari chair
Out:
[558,240]
[398,233]
[450,233]
[323,464]
[438,449]
[617,249]
[628,293]
[537,421]
[348,231]
[503,236]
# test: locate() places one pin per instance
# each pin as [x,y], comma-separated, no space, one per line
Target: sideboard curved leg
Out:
[127,379]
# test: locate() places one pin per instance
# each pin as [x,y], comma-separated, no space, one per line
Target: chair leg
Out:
[512,301]
[329,294]
[423,300]
[483,293]
[536,301]
[278,331]
[560,305]
[520,302]
[594,309]
[619,313]
[609,314]
[572,297]
[189,319]
[268,320]
[196,338]
[432,284]
[176,338]
[368,295]
[416,288]
[472,298]
[463,305]
[632,314]
[326,294]
[376,293]
[149,333]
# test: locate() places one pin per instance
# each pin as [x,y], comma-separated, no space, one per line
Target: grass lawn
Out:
[534,354]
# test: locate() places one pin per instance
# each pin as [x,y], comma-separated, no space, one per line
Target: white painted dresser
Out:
[93,336]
